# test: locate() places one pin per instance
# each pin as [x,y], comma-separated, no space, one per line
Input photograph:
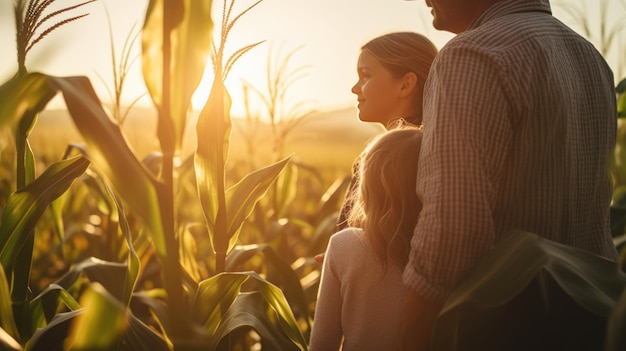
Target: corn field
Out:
[103,250]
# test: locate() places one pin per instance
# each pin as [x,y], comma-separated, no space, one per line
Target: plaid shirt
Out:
[520,120]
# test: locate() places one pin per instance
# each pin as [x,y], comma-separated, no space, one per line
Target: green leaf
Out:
[7,321]
[213,135]
[112,275]
[7,343]
[621,87]
[191,39]
[112,155]
[333,198]
[152,43]
[25,207]
[279,273]
[287,321]
[221,308]
[620,90]
[140,337]
[594,282]
[213,298]
[134,262]
[52,336]
[616,338]
[188,251]
[266,311]
[45,306]
[286,190]
[101,325]
[24,96]
[621,105]
[252,310]
[243,196]
[321,234]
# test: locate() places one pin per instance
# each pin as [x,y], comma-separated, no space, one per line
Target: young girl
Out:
[361,291]
[392,70]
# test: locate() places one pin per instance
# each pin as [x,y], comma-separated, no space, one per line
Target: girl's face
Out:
[377,91]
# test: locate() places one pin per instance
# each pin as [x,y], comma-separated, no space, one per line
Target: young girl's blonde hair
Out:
[386,205]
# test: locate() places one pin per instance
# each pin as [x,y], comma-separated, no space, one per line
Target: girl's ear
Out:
[409,81]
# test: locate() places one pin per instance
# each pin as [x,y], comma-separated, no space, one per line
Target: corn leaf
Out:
[332,198]
[191,30]
[134,262]
[154,300]
[112,156]
[221,307]
[253,310]
[45,305]
[111,275]
[141,337]
[279,273]
[7,322]
[620,89]
[187,253]
[24,96]
[101,325]
[243,196]
[152,43]
[213,135]
[213,298]
[7,342]
[25,206]
[286,320]
[595,283]
[52,336]
[621,105]
[616,338]
[250,310]
[286,189]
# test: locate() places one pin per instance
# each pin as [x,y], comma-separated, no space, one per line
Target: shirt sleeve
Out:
[467,135]
[327,333]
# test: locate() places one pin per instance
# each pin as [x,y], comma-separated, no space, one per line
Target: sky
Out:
[325,34]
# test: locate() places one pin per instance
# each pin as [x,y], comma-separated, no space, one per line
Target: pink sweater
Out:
[356,306]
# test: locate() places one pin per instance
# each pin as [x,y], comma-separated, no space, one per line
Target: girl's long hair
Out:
[386,205]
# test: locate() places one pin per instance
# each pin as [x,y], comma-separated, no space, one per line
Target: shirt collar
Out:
[507,7]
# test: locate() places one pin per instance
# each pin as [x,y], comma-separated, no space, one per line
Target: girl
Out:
[392,71]
[361,290]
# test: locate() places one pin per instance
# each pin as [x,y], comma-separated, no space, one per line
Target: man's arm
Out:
[467,137]
[417,322]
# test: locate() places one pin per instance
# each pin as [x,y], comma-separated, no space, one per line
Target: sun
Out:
[247,70]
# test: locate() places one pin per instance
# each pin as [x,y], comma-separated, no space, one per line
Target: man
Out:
[520,119]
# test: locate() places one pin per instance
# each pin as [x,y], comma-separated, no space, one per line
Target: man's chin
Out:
[437,25]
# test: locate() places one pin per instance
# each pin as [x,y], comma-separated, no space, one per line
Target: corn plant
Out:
[33,193]
[185,313]
[120,72]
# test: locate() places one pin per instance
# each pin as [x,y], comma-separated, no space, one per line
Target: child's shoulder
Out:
[347,249]
[347,237]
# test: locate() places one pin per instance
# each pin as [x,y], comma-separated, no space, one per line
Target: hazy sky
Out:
[329,33]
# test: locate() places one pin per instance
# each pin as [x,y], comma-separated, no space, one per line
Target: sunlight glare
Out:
[203,90]
[252,71]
